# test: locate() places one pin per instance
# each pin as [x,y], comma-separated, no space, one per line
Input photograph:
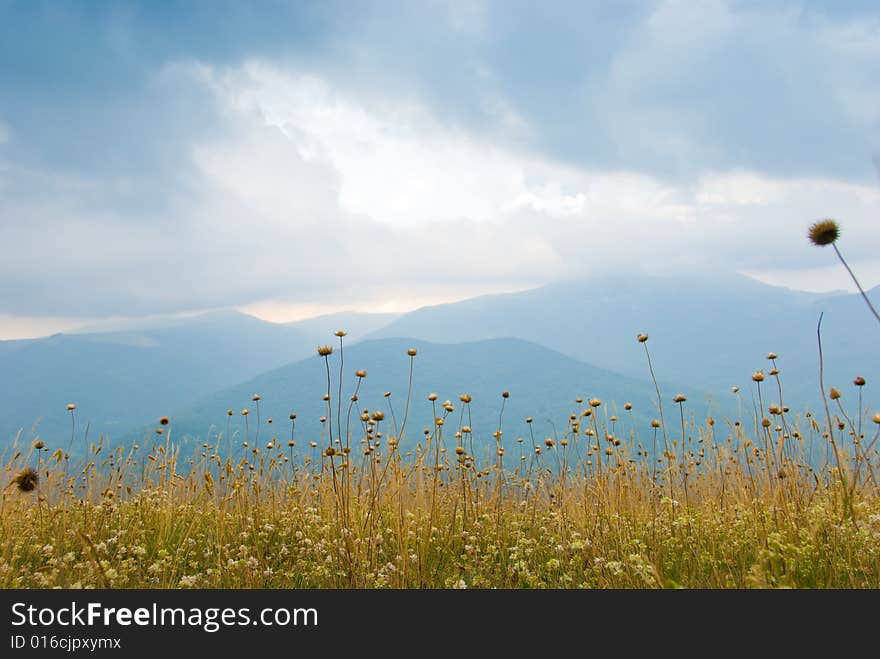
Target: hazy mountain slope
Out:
[712,333]
[542,383]
[120,380]
[356,324]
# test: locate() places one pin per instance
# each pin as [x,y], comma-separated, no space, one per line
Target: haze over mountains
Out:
[576,338]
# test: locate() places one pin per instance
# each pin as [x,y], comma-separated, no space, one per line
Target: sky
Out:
[295,158]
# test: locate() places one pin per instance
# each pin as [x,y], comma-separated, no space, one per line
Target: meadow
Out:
[774,499]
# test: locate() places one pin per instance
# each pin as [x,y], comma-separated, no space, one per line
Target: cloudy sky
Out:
[295,158]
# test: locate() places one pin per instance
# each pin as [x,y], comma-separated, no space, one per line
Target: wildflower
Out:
[340,333]
[256,397]
[163,421]
[595,402]
[39,444]
[876,417]
[679,398]
[772,355]
[465,398]
[245,412]
[412,352]
[360,374]
[324,351]
[505,394]
[71,407]
[642,338]
[824,232]
[734,389]
[292,416]
[27,480]
[834,394]
[758,376]
[627,406]
[229,412]
[655,423]
[859,381]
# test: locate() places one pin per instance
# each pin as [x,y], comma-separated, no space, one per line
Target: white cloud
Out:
[312,197]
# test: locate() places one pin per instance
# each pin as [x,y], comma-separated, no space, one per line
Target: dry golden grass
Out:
[714,505]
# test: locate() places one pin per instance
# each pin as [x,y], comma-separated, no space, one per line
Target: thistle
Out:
[826,232]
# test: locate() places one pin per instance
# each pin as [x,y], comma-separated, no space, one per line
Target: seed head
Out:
[772,355]
[529,419]
[292,416]
[163,421]
[834,394]
[340,333]
[655,423]
[734,389]
[824,232]
[229,412]
[325,351]
[758,376]
[679,398]
[360,374]
[859,381]
[256,397]
[245,412]
[71,407]
[876,417]
[39,444]
[465,398]
[27,480]
[412,352]
[642,338]
[627,406]
[505,394]
[595,402]
[432,397]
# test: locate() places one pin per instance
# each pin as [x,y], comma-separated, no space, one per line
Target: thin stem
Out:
[856,281]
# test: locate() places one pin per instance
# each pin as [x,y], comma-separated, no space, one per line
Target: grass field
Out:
[775,499]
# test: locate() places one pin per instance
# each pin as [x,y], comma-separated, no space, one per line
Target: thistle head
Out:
[27,480]
[824,232]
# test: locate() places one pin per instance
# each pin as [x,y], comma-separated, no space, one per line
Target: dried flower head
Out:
[256,397]
[340,333]
[360,374]
[292,416]
[325,351]
[834,394]
[465,398]
[229,412]
[39,444]
[529,419]
[627,406]
[71,407]
[164,421]
[859,381]
[734,389]
[758,376]
[772,355]
[824,232]
[432,397]
[679,398]
[412,352]
[595,402]
[655,423]
[642,338]
[876,417]
[27,480]
[505,394]
[245,412]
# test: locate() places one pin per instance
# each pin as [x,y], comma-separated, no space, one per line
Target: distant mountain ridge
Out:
[712,332]
[121,379]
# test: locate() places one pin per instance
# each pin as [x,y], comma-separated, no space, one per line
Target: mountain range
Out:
[545,345]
